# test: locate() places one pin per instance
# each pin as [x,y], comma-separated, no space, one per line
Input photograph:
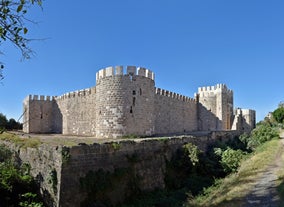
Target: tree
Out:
[278,114]
[13,19]
[3,121]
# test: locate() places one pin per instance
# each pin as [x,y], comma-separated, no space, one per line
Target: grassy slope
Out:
[232,190]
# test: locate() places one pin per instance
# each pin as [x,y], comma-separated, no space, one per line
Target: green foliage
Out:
[115,145]
[53,180]
[192,152]
[13,18]
[22,142]
[264,131]
[15,180]
[5,154]
[261,134]
[65,154]
[3,121]
[230,158]
[278,114]
[8,124]
[30,200]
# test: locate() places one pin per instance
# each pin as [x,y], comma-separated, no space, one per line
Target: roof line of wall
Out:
[78,93]
[39,98]
[173,95]
[119,70]
[214,88]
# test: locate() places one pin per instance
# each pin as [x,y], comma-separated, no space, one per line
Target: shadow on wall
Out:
[57,119]
[207,121]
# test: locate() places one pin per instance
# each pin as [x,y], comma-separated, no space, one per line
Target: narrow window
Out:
[133,101]
[131,109]
[140,91]
[133,92]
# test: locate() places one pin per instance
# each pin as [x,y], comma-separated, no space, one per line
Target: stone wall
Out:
[125,105]
[145,161]
[45,162]
[174,113]
[78,111]
[39,113]
[139,164]
[218,100]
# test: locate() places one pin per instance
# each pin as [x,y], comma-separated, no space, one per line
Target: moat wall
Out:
[67,175]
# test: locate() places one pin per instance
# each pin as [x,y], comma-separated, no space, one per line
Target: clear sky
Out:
[187,43]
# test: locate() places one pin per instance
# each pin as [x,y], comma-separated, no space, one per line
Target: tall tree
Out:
[278,114]
[13,19]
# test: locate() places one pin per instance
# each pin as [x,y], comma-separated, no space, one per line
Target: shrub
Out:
[230,159]
[17,187]
[192,152]
[278,114]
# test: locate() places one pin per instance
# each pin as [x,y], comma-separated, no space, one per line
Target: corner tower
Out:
[41,115]
[218,101]
[124,102]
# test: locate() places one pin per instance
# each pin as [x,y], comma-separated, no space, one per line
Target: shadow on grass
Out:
[280,190]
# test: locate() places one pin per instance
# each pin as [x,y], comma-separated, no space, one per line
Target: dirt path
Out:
[265,193]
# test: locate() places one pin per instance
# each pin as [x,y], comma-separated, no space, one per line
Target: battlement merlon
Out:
[173,95]
[78,93]
[217,87]
[39,98]
[130,70]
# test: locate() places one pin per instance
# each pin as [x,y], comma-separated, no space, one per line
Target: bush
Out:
[262,133]
[230,159]
[17,187]
[278,114]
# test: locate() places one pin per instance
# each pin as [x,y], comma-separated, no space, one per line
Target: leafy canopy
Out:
[13,19]
[278,114]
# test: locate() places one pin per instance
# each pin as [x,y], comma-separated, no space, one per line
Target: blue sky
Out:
[187,43]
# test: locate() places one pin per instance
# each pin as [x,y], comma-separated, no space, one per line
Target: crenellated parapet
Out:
[173,95]
[119,71]
[79,93]
[216,88]
[39,98]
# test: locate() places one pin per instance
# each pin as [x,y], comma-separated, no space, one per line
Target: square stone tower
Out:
[215,101]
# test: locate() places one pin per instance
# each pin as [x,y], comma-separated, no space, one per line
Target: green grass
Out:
[281,183]
[22,142]
[232,190]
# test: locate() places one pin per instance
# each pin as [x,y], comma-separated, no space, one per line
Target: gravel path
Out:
[264,193]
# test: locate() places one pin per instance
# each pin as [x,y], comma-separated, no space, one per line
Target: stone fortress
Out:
[126,104]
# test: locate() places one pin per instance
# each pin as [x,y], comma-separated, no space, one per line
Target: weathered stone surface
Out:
[129,104]
[143,159]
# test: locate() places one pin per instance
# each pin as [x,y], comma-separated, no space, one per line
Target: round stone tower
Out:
[124,102]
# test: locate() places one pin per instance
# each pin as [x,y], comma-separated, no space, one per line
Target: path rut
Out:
[264,193]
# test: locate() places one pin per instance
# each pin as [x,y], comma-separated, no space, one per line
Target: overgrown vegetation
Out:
[17,187]
[53,180]
[213,178]
[10,124]
[22,142]
[264,143]
[65,155]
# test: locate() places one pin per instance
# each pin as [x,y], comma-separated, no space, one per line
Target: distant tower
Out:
[215,107]
[124,102]
[40,115]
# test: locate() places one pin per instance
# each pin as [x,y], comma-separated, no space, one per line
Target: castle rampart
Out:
[126,103]
[119,70]
[173,95]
